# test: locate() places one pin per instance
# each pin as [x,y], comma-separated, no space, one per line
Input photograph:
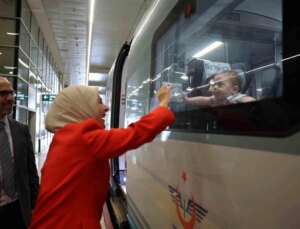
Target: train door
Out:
[116,201]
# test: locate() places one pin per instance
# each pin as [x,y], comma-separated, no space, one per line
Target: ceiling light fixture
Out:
[12,34]
[184,77]
[21,62]
[91,22]
[208,49]
[146,20]
[9,67]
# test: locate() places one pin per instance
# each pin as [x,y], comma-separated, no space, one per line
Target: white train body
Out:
[206,174]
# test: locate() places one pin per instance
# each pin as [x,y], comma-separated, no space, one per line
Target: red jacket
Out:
[75,176]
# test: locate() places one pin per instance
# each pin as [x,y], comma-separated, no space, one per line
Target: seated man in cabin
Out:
[225,88]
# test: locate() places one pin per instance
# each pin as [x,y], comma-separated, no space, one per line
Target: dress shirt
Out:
[4,199]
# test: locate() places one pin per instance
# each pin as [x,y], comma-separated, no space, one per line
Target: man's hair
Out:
[4,79]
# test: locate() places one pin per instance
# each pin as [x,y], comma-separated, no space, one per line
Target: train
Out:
[230,166]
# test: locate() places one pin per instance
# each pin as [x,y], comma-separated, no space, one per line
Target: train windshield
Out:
[216,53]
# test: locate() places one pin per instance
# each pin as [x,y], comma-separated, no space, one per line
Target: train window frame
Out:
[271,117]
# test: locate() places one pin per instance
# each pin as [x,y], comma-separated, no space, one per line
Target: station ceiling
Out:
[65,25]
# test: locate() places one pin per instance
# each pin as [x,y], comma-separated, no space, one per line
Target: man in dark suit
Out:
[19,181]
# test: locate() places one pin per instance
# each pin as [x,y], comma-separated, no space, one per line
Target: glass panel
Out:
[24,39]
[21,115]
[34,53]
[218,54]
[7,31]
[34,30]
[41,41]
[7,58]
[38,84]
[23,66]
[51,77]
[8,8]
[45,49]
[33,80]
[41,53]
[38,122]
[32,98]
[43,127]
[46,104]
[45,63]
[40,62]
[55,84]
[44,134]
[44,74]
[22,93]
[48,76]
[25,14]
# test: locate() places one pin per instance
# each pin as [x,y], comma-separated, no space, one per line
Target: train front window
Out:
[216,54]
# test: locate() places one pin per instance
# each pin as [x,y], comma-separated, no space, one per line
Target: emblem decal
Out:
[190,207]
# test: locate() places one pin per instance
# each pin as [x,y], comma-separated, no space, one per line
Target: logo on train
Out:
[188,211]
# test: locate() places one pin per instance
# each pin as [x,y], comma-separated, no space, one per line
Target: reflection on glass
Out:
[25,13]
[34,29]
[7,56]
[34,53]
[24,39]
[23,63]
[21,115]
[222,54]
[31,98]
[224,88]
[22,93]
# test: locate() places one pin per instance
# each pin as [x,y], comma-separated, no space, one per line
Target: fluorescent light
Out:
[12,34]
[94,76]
[32,74]
[91,22]
[184,77]
[9,67]
[208,49]
[21,62]
[146,19]
[0,53]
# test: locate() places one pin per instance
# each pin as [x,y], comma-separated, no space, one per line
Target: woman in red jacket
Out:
[75,176]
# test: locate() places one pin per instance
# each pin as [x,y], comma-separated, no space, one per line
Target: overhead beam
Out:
[98,69]
[97,83]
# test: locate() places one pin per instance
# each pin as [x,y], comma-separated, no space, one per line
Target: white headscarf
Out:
[73,104]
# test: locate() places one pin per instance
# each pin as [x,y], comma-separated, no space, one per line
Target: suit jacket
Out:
[26,175]
[75,175]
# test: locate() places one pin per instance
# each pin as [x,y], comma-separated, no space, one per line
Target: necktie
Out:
[6,160]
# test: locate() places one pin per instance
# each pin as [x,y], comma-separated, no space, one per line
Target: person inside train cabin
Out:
[225,89]
[75,175]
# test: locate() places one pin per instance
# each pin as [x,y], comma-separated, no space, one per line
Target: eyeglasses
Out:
[5,93]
